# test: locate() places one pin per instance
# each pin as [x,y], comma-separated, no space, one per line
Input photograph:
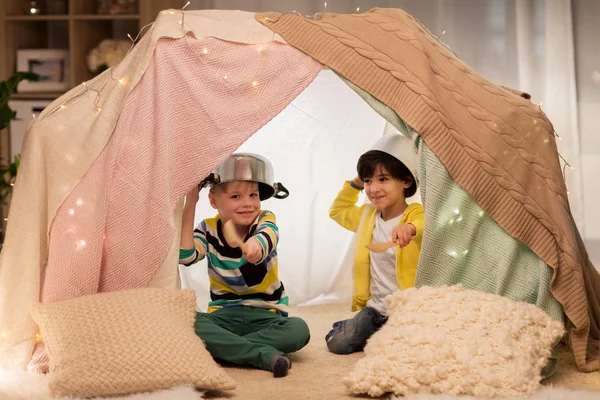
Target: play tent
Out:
[98,199]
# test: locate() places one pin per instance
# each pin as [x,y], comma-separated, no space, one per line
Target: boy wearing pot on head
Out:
[387,174]
[247,320]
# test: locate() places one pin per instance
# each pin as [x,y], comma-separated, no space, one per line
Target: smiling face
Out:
[386,193]
[237,201]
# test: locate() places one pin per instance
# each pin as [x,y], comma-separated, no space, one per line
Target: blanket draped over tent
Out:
[197,100]
[496,145]
[109,223]
[102,179]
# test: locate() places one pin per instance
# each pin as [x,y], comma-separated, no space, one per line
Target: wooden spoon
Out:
[379,247]
[232,237]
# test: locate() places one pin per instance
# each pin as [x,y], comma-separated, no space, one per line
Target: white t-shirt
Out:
[383,265]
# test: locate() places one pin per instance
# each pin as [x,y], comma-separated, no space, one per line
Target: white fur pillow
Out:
[450,340]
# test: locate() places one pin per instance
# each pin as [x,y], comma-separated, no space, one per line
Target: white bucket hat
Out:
[401,148]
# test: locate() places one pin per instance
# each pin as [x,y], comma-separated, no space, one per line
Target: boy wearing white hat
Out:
[247,321]
[387,173]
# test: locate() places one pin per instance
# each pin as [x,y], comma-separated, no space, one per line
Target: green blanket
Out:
[461,242]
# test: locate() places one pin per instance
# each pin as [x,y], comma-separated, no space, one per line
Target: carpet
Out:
[316,374]
[33,386]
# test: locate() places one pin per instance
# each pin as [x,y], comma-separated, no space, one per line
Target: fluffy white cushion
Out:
[451,340]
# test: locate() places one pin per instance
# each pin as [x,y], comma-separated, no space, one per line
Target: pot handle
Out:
[280,191]
[211,179]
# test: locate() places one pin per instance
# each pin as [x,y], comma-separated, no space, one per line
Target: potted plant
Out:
[8,172]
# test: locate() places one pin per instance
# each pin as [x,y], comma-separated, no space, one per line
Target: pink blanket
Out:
[196,104]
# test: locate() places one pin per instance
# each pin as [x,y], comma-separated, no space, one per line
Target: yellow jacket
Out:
[345,212]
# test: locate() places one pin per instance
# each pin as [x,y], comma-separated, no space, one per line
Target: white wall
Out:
[327,127]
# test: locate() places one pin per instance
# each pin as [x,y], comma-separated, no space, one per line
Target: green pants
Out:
[249,335]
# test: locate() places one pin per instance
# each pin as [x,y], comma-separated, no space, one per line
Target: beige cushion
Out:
[455,341]
[126,342]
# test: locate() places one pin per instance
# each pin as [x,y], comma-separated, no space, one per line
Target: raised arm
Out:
[193,244]
[344,210]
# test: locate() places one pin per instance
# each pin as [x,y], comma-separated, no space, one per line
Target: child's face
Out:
[238,201]
[384,191]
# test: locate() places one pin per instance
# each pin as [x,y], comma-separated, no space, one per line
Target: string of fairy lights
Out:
[455,217]
[123,80]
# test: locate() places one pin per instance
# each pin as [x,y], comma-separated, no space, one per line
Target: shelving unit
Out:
[78,29]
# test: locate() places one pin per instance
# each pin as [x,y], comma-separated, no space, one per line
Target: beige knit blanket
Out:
[497,145]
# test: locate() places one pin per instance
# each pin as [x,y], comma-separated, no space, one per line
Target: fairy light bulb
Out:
[62,106]
[79,202]
[205,50]
[71,211]
[453,253]
[357,9]
[260,49]
[225,77]
[254,83]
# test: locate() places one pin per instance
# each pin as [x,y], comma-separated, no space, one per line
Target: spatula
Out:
[379,247]
[232,237]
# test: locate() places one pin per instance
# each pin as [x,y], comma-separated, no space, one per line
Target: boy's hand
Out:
[192,196]
[253,251]
[403,234]
[358,183]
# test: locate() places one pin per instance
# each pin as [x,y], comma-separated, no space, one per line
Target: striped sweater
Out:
[233,280]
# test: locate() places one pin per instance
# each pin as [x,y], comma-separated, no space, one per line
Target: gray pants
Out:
[350,336]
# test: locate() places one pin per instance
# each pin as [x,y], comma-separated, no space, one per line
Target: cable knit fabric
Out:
[451,340]
[126,342]
[497,145]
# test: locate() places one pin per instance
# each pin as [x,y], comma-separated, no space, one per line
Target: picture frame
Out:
[52,65]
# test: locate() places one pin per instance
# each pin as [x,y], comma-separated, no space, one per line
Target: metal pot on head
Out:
[248,167]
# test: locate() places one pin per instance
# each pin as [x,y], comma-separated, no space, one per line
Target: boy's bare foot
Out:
[280,365]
